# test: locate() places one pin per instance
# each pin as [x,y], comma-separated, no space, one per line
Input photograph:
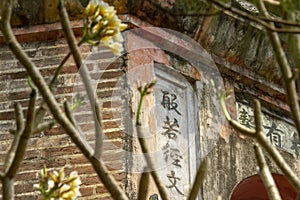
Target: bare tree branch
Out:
[224,7]
[8,189]
[17,151]
[99,166]
[266,175]
[285,68]
[41,85]
[278,159]
[22,145]
[273,152]
[107,179]
[69,113]
[200,176]
[276,156]
[85,78]
[11,154]
[144,184]
[160,186]
[264,171]
[70,117]
[6,10]
[237,126]
[43,127]
[56,111]
[19,118]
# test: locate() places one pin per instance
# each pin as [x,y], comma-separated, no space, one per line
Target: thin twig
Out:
[22,145]
[54,107]
[19,117]
[200,176]
[272,151]
[11,154]
[237,126]
[85,78]
[43,108]
[107,179]
[69,113]
[198,14]
[160,186]
[280,21]
[71,118]
[264,171]
[224,7]
[278,159]
[141,138]
[43,127]
[42,86]
[266,175]
[144,184]
[99,166]
[6,10]
[285,69]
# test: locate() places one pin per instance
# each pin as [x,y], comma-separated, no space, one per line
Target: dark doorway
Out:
[252,188]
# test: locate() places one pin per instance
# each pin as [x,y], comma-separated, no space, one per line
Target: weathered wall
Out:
[53,148]
[242,54]
[233,161]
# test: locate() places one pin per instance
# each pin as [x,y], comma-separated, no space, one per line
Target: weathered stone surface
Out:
[241,44]
[27,12]
[230,163]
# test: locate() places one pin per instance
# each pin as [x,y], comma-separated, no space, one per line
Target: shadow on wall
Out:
[253,188]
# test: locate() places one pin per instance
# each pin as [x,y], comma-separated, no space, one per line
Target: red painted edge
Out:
[253,188]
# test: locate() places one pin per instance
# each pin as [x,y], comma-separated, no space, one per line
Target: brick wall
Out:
[53,148]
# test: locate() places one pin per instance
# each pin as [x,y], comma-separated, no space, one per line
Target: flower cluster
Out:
[56,186]
[103,25]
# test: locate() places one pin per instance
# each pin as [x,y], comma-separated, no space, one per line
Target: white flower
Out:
[36,186]
[103,25]
[50,184]
[56,186]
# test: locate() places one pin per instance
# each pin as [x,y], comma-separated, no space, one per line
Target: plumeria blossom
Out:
[103,25]
[56,186]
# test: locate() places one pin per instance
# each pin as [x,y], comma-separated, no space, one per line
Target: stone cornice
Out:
[43,32]
[258,86]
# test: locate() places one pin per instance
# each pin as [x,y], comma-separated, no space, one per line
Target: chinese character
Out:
[171,128]
[246,119]
[174,154]
[168,101]
[274,134]
[173,180]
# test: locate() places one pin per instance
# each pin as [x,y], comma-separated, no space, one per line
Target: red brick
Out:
[109,84]
[111,115]
[26,176]
[100,55]
[90,180]
[26,197]
[112,104]
[106,75]
[24,187]
[101,189]
[111,124]
[86,191]
[113,156]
